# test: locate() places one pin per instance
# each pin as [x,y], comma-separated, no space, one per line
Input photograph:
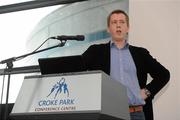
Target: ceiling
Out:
[31,4]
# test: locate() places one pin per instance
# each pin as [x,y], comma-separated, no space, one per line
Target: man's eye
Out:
[114,22]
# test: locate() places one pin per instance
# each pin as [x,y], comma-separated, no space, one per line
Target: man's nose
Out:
[118,26]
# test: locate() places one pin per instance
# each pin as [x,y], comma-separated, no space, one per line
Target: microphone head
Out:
[65,37]
[80,37]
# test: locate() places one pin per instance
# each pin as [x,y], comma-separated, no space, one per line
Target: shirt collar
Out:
[125,46]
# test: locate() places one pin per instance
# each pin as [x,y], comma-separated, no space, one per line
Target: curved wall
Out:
[82,18]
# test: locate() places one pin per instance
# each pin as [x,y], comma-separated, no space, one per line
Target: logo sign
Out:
[60,87]
[58,98]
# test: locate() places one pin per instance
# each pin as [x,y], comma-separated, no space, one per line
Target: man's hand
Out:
[143,94]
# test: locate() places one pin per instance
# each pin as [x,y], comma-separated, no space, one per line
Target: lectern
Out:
[89,95]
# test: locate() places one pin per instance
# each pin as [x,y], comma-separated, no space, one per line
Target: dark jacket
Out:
[97,57]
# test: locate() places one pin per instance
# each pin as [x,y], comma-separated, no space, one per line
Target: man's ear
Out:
[128,30]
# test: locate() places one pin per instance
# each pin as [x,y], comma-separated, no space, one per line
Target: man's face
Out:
[118,27]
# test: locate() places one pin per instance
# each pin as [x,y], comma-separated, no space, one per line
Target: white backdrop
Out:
[155,24]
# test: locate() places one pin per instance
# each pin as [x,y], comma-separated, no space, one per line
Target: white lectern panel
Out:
[83,92]
[60,93]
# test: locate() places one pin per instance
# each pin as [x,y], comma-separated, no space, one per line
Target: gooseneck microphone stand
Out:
[9,63]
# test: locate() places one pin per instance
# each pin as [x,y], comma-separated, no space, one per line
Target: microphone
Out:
[64,37]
